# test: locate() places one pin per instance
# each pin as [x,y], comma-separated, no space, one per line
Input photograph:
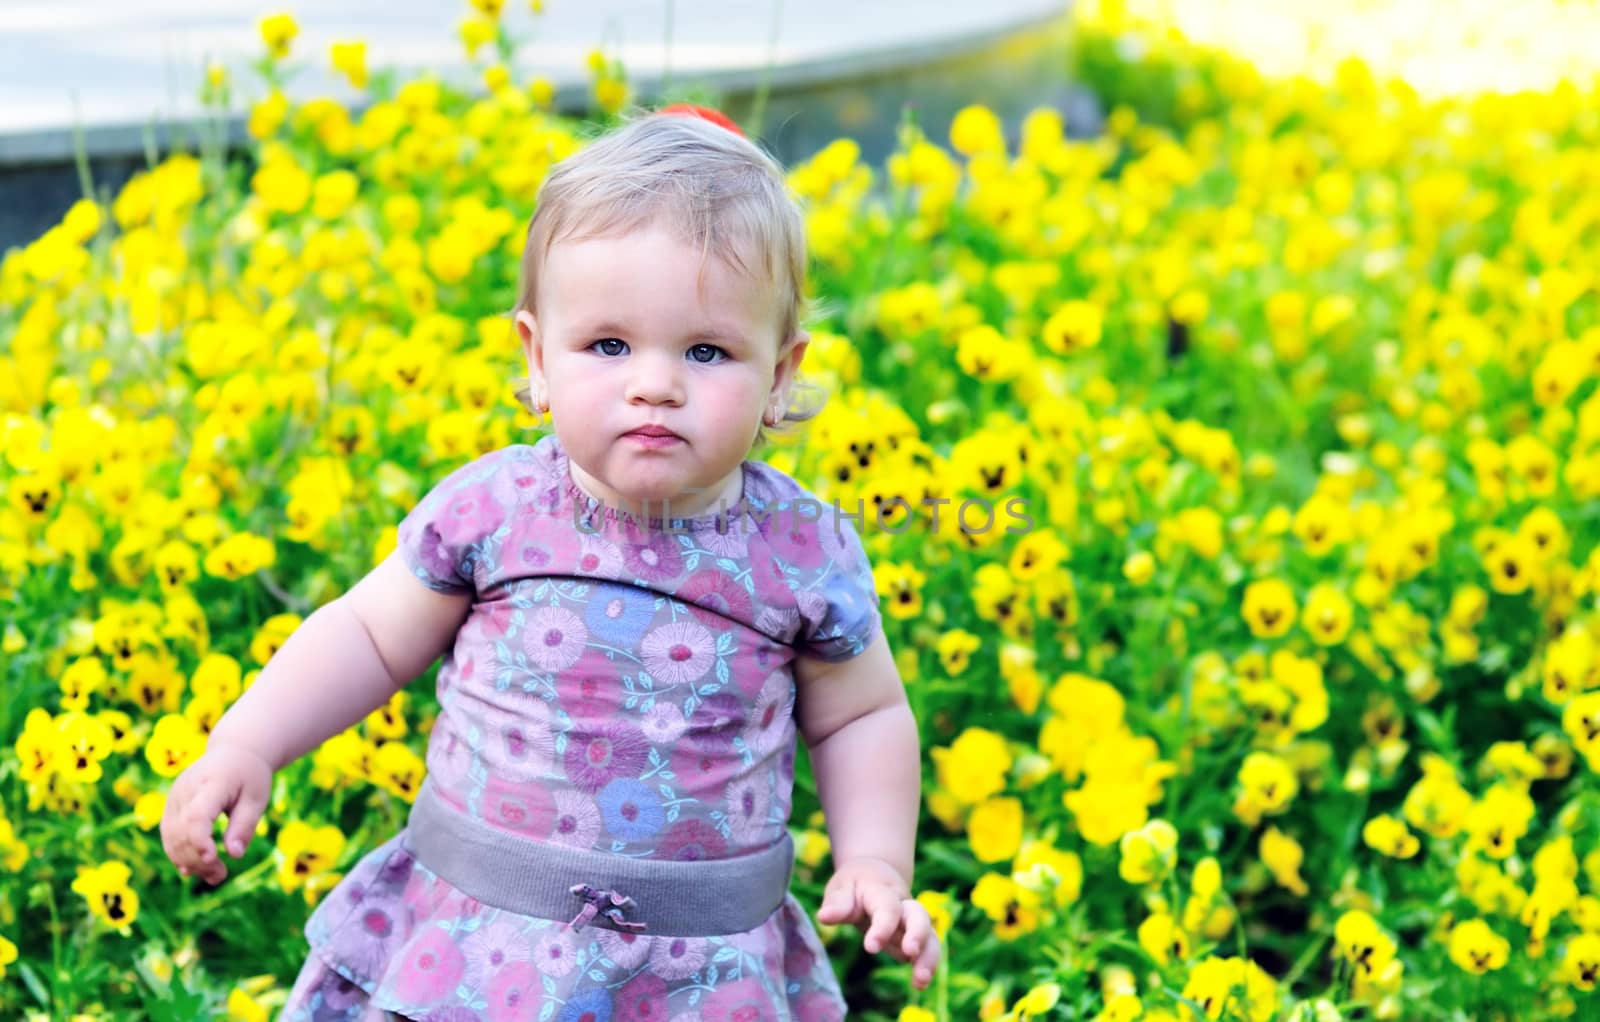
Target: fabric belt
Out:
[651,897]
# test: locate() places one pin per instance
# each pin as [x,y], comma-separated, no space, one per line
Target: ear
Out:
[532,350]
[790,356]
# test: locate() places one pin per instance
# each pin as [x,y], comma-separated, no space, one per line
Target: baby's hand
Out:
[224,780]
[870,894]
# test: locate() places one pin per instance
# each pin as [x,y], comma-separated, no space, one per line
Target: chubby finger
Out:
[918,928]
[927,961]
[198,832]
[243,817]
[839,903]
[884,907]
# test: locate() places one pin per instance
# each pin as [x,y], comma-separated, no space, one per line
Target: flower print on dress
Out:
[715,597]
[729,535]
[642,999]
[527,555]
[781,623]
[472,513]
[577,821]
[618,613]
[771,717]
[692,840]
[430,967]
[555,952]
[449,755]
[436,557]
[452,1013]
[554,638]
[631,809]
[716,722]
[494,946]
[699,771]
[795,533]
[813,605]
[664,723]
[523,808]
[679,652]
[526,738]
[749,802]
[598,557]
[678,957]
[590,697]
[590,1005]
[598,755]
[798,961]
[743,1000]
[381,925]
[627,950]
[514,993]
[652,556]
[819,1006]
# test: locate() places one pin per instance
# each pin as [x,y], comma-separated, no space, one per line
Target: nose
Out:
[653,379]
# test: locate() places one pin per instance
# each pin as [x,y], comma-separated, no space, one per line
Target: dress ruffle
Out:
[394,936]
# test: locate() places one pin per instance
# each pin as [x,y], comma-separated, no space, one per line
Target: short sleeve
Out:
[839,615]
[444,537]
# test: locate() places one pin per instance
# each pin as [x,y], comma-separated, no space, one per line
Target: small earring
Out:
[773,415]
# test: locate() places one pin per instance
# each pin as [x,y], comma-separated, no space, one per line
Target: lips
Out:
[661,431]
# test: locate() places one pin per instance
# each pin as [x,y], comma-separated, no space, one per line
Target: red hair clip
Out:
[703,112]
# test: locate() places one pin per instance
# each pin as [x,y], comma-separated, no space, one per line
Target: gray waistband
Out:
[671,898]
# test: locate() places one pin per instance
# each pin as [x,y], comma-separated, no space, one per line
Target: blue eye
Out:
[610,346]
[710,353]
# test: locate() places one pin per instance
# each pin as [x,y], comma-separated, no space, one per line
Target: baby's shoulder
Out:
[517,475]
[786,513]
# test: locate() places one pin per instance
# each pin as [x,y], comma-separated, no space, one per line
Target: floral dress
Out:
[621,686]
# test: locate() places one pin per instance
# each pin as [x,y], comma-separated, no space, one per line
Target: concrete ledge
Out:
[1017,60]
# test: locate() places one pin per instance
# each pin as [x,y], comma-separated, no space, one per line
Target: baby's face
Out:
[626,337]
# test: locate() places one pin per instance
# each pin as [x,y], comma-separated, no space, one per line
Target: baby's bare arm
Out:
[865,754]
[343,662]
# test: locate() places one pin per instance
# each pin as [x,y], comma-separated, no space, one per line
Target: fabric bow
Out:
[603,901]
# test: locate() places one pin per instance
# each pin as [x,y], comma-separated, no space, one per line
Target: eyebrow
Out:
[608,328]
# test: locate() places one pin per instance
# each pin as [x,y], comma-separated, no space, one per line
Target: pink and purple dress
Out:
[618,686]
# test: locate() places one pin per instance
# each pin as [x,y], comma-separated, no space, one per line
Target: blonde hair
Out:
[715,189]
